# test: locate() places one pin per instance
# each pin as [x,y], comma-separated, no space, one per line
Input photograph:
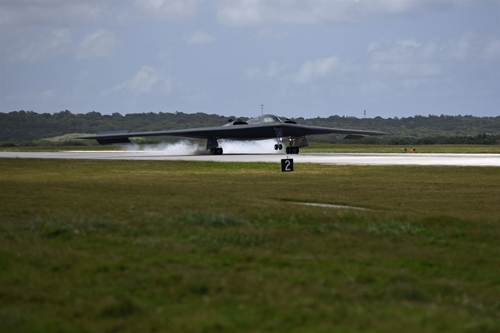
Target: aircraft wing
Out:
[235,132]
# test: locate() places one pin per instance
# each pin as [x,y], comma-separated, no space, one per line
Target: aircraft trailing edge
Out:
[266,126]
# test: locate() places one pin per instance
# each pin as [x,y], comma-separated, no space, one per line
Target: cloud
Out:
[409,43]
[393,57]
[49,13]
[47,94]
[143,81]
[407,63]
[457,48]
[252,12]
[58,42]
[100,44]
[55,43]
[199,37]
[16,16]
[492,50]
[168,9]
[146,80]
[272,71]
[312,70]
[409,57]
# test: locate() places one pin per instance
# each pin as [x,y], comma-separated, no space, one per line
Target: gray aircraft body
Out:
[259,128]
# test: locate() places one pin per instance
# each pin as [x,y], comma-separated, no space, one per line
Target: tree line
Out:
[29,126]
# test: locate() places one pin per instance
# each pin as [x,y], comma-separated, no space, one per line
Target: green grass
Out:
[92,246]
[370,148]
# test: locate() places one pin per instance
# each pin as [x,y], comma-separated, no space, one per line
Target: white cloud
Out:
[168,9]
[147,79]
[47,94]
[240,12]
[272,71]
[17,15]
[492,50]
[408,63]
[430,49]
[52,13]
[312,70]
[57,42]
[250,12]
[409,43]
[373,46]
[410,57]
[143,81]
[309,72]
[100,44]
[457,48]
[199,37]
[415,63]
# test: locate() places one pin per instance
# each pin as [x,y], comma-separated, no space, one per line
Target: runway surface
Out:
[491,160]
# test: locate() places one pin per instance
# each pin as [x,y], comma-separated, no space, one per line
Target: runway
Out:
[483,160]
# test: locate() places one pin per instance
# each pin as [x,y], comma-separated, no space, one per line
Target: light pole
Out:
[262,108]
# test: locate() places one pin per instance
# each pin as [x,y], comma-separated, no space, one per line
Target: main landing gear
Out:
[216,151]
[213,146]
[289,149]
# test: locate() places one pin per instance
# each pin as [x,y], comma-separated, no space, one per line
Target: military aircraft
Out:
[266,126]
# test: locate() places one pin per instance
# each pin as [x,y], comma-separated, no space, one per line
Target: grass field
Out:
[138,246]
[367,148]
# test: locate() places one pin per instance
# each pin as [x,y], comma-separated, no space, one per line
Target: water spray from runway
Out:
[183,147]
[186,147]
[248,147]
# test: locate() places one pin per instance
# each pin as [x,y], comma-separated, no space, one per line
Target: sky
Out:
[298,58]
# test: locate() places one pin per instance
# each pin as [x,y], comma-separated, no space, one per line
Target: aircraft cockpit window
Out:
[267,118]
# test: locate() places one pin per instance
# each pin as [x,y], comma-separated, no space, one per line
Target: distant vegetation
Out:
[19,128]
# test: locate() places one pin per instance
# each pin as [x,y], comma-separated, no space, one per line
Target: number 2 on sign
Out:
[287,165]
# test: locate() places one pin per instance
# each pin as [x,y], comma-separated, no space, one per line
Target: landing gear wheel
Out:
[280,146]
[276,147]
[288,150]
[216,151]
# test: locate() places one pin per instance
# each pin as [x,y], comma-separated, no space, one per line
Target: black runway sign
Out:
[287,165]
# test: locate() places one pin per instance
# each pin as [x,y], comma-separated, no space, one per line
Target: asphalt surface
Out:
[490,160]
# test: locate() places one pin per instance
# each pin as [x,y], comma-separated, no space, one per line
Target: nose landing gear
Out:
[278,147]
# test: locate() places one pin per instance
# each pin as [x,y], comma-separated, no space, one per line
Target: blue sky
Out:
[300,58]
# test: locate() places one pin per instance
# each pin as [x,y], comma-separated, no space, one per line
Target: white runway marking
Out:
[492,160]
[329,205]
